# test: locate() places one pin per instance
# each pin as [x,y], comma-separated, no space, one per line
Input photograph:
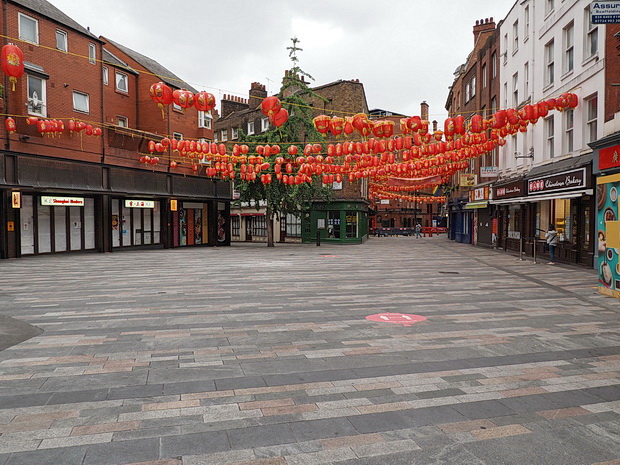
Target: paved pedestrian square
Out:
[253,355]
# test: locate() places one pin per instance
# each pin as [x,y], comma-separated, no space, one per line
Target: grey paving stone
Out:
[439,393]
[206,385]
[378,422]
[150,390]
[483,409]
[241,382]
[24,400]
[120,452]
[207,442]
[78,396]
[317,429]
[606,393]
[260,436]
[62,455]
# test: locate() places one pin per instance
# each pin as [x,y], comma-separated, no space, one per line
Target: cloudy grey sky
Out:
[403,51]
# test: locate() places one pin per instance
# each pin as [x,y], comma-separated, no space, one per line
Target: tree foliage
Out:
[277,197]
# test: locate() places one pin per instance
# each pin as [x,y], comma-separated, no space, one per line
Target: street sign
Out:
[605,12]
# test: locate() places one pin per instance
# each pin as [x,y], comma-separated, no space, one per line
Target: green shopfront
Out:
[343,222]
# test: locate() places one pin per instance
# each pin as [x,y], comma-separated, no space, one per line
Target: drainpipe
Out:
[7,142]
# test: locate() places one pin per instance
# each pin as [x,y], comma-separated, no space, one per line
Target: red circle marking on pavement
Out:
[404,319]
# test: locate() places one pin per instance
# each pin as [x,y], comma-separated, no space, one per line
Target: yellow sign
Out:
[468,180]
[612,228]
[10,226]
[173,205]
[16,199]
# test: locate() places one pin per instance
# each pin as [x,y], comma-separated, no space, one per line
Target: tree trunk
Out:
[270,241]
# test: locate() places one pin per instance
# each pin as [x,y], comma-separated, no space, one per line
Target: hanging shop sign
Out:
[139,203]
[468,180]
[480,193]
[609,157]
[173,205]
[605,12]
[62,201]
[489,171]
[508,191]
[566,181]
[16,199]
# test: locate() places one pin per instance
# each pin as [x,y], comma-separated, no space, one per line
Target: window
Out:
[526,83]
[105,75]
[36,96]
[224,135]
[333,223]
[473,87]
[177,135]
[494,104]
[549,132]
[204,119]
[591,45]
[61,40]
[549,70]
[515,35]
[28,29]
[526,32]
[351,224]
[293,225]
[569,48]
[80,102]
[494,65]
[122,121]
[549,6]
[121,82]
[92,53]
[235,133]
[250,128]
[484,76]
[264,124]
[591,125]
[515,90]
[505,95]
[467,92]
[505,54]
[235,222]
[568,130]
[259,226]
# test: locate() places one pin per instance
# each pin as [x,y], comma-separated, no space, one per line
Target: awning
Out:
[538,198]
[478,204]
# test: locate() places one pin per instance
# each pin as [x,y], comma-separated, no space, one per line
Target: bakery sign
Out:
[566,181]
[508,191]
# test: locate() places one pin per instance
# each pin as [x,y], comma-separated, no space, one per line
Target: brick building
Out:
[75,190]
[349,206]
[475,90]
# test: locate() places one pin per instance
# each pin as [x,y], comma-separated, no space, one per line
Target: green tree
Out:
[278,198]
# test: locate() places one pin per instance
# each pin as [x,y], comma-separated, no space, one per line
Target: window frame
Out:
[177,135]
[484,76]
[493,65]
[264,124]
[549,137]
[526,31]
[515,89]
[549,63]
[224,135]
[205,119]
[591,118]
[515,38]
[591,35]
[569,129]
[118,74]
[549,6]
[568,34]
[120,118]
[105,75]
[42,98]
[526,80]
[75,106]
[21,15]
[473,86]
[251,128]
[92,53]
[61,33]
[234,133]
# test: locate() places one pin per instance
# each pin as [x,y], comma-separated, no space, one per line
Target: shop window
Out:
[236,225]
[351,217]
[293,225]
[259,226]
[44,228]
[333,223]
[562,219]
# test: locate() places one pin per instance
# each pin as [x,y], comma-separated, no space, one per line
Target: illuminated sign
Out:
[62,201]
[140,203]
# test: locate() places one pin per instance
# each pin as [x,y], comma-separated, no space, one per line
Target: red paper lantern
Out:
[321,123]
[270,106]
[204,101]
[10,125]
[161,94]
[280,117]
[336,125]
[12,63]
[183,98]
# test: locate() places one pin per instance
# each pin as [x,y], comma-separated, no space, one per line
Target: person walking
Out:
[418,230]
[552,242]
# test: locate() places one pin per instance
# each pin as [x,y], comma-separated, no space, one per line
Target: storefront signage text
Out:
[62,201]
[515,189]
[480,193]
[489,171]
[558,182]
[140,203]
[609,157]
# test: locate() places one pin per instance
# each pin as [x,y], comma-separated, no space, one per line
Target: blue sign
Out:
[605,12]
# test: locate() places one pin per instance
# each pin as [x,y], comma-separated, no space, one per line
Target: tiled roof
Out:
[109,57]
[48,10]
[154,67]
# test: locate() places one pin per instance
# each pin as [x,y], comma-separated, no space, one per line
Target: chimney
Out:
[424,111]
[483,26]
[434,125]
[231,103]
[257,94]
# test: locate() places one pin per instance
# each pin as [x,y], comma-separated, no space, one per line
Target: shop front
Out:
[461,220]
[482,221]
[336,221]
[135,222]
[607,169]
[509,225]
[565,200]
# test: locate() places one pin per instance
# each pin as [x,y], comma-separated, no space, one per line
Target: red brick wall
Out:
[612,71]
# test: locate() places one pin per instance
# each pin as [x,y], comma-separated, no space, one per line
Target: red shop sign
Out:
[609,157]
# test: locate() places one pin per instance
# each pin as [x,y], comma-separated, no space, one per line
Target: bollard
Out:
[318,238]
